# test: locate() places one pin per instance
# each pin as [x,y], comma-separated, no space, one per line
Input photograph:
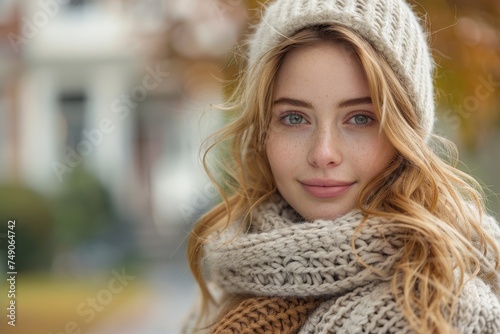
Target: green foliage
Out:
[34,224]
[465,38]
[45,226]
[82,209]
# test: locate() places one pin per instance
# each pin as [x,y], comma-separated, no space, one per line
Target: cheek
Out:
[372,156]
[381,153]
[276,152]
[282,153]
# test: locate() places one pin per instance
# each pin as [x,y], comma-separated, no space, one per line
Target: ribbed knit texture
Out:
[282,258]
[279,256]
[389,25]
[261,315]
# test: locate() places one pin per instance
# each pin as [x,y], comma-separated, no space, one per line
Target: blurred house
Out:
[9,69]
[119,88]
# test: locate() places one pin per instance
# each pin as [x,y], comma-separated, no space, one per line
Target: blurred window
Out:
[159,122]
[72,106]
[79,7]
[78,3]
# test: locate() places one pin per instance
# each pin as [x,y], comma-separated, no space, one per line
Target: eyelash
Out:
[283,118]
[368,116]
[350,117]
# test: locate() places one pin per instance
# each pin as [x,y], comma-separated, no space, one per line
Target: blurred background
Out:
[103,107]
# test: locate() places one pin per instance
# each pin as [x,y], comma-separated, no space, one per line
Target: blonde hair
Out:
[438,207]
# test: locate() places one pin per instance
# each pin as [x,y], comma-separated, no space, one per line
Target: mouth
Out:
[326,188]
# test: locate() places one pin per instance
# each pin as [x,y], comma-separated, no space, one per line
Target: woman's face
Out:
[324,143]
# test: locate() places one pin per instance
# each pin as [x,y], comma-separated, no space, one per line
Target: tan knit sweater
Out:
[305,278]
[267,315]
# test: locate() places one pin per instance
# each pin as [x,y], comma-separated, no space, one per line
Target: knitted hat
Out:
[389,25]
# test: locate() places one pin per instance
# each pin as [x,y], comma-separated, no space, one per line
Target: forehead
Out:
[324,68]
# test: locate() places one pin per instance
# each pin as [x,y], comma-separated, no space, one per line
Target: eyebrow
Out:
[355,102]
[342,104]
[293,102]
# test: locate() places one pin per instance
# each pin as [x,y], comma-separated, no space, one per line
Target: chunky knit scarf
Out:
[305,277]
[261,315]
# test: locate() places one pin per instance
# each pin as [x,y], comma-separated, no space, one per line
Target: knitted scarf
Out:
[305,277]
[261,315]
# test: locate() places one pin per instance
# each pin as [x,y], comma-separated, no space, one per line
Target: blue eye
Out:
[293,119]
[360,120]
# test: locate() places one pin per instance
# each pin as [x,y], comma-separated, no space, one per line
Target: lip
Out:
[325,188]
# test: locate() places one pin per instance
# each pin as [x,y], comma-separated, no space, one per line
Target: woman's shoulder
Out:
[368,309]
[477,308]
[491,225]
[491,229]
[373,309]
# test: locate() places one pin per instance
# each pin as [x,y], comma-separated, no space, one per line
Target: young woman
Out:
[339,214]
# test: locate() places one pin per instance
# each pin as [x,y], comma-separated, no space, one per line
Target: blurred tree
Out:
[466,45]
[80,213]
[34,225]
[82,210]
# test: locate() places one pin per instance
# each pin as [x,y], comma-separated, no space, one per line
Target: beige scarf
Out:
[305,277]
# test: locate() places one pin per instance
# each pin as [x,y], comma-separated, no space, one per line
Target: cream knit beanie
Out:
[389,25]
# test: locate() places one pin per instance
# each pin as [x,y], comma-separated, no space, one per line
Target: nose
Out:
[325,149]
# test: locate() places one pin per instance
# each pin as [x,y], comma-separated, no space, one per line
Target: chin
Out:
[326,215]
